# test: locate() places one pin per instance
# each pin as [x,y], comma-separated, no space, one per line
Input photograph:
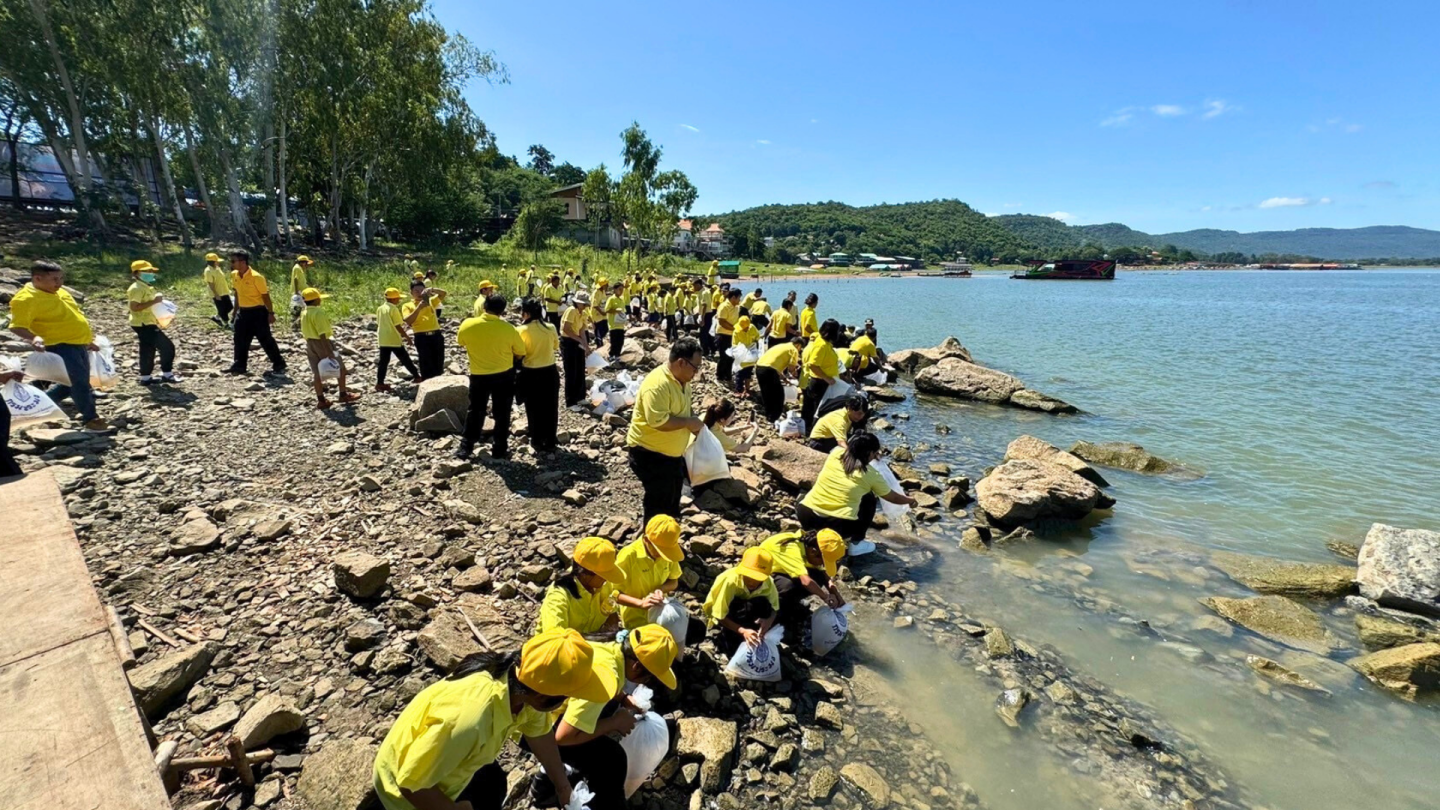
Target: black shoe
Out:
[501,456]
[464,451]
[237,371]
[274,373]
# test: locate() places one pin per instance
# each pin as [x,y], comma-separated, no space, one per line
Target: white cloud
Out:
[763,141]
[1353,127]
[814,120]
[1119,119]
[690,127]
[1205,208]
[1288,202]
[1325,201]
[1216,107]
[1063,216]
[1167,110]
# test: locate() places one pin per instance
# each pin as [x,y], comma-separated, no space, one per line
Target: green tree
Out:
[541,159]
[535,224]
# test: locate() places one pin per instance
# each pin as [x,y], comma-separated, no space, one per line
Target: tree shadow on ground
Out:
[162,394]
[564,468]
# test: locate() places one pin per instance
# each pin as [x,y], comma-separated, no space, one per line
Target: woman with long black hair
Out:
[539,381]
[820,368]
[845,494]
[584,599]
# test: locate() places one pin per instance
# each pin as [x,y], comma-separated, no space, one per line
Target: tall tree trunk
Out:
[335,180]
[12,139]
[284,194]
[239,218]
[364,221]
[169,184]
[267,173]
[77,122]
[217,232]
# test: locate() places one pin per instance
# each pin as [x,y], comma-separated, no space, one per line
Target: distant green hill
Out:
[1378,242]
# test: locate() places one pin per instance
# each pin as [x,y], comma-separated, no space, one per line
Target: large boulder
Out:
[1400,568]
[270,717]
[338,777]
[1031,447]
[1269,575]
[712,742]
[1278,619]
[1023,490]
[359,574]
[447,639]
[632,353]
[913,361]
[443,421]
[447,392]
[155,683]
[793,465]
[1409,671]
[953,377]
[1123,456]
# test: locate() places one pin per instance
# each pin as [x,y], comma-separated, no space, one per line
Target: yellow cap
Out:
[757,563]
[657,651]
[418,276]
[561,663]
[487,284]
[140,265]
[212,257]
[302,259]
[663,532]
[392,293]
[449,262]
[312,294]
[597,555]
[832,548]
[743,322]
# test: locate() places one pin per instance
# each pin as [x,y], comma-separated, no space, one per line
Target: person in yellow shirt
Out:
[575,347]
[806,563]
[392,337]
[759,312]
[616,319]
[782,324]
[866,353]
[298,283]
[584,599]
[750,299]
[743,601]
[654,306]
[45,315]
[319,333]
[726,317]
[845,492]
[420,316]
[670,306]
[704,316]
[713,274]
[572,282]
[219,287]
[748,336]
[661,424]
[487,289]
[819,369]
[719,417]
[254,315]
[554,294]
[809,320]
[832,429]
[443,750]
[141,299]
[778,362]
[652,571]
[492,346]
[598,322]
[538,383]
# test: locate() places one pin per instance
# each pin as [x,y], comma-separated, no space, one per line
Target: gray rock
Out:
[56,437]
[998,644]
[221,717]
[447,639]
[713,742]
[794,466]
[1036,401]
[337,777]
[1009,705]
[1409,671]
[953,377]
[443,421]
[1022,490]
[193,537]
[1269,575]
[873,789]
[359,574]
[1400,568]
[155,683]
[270,717]
[827,715]
[1277,618]
[1031,447]
[910,362]
[1381,633]
[1123,456]
[364,635]
[474,580]
[822,785]
[448,392]
[466,511]
[271,530]
[1283,675]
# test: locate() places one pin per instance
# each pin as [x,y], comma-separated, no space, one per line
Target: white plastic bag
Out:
[792,393]
[839,388]
[103,374]
[632,387]
[705,459]
[47,366]
[743,355]
[792,426]
[27,404]
[596,361]
[297,302]
[878,378]
[165,312]
[646,745]
[892,511]
[672,616]
[580,796]
[828,627]
[329,369]
[714,326]
[760,663]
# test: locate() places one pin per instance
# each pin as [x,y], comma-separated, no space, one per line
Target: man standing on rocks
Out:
[298,284]
[493,345]
[574,348]
[254,316]
[141,298]
[219,287]
[44,314]
[661,424]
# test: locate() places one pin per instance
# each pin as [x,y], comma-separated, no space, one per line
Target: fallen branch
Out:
[239,762]
[219,760]
[484,642]
[155,631]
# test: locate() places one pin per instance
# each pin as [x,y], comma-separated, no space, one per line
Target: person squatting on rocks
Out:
[743,602]
[141,299]
[319,336]
[661,423]
[392,337]
[492,345]
[651,565]
[538,383]
[45,315]
[584,599]
[718,418]
[255,314]
[845,492]
[217,283]
[834,428]
[805,563]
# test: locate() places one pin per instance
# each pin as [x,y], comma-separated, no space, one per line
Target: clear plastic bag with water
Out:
[47,366]
[103,374]
[329,369]
[165,313]
[672,616]
[892,511]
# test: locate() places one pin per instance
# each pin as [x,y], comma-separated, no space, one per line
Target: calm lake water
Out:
[1311,401]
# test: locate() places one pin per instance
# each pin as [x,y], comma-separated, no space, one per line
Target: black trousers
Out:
[617,342]
[8,467]
[572,355]
[487,788]
[852,530]
[672,327]
[723,362]
[541,389]
[663,478]
[601,330]
[430,352]
[760,321]
[743,376]
[810,401]
[223,307]
[772,392]
[707,340]
[554,318]
[251,324]
[399,353]
[152,340]
[746,613]
[600,763]
[792,593]
[483,389]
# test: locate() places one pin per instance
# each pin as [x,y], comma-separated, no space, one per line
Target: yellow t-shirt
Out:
[448,732]
[615,308]
[788,553]
[652,302]
[749,336]
[426,320]
[553,295]
[864,348]
[540,344]
[834,425]
[643,576]
[574,321]
[726,440]
[761,307]
[716,298]
[297,279]
[701,302]
[669,303]
[727,313]
[250,289]
[141,293]
[585,714]
[387,319]
[53,316]
[585,613]
[821,355]
[809,323]
[727,587]
[661,396]
[216,281]
[836,494]
[780,323]
[780,357]
[315,323]
[491,343]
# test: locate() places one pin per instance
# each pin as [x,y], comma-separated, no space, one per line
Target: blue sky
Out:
[1245,115]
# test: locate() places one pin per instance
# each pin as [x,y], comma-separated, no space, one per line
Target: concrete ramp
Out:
[70,735]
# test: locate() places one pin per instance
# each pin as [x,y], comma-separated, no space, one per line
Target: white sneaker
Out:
[146,379]
[170,377]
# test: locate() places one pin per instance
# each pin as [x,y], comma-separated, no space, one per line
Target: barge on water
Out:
[1069,270]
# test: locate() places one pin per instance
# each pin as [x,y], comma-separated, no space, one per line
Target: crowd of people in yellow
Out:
[565,695]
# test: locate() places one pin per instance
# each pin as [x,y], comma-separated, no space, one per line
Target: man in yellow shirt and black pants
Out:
[728,315]
[575,347]
[219,287]
[661,424]
[46,316]
[254,316]
[554,294]
[492,345]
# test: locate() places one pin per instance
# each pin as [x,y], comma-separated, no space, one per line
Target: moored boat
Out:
[1069,270]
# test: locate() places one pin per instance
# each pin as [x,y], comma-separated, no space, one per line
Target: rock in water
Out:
[447,392]
[1031,447]
[1409,671]
[1036,401]
[155,683]
[913,361]
[1009,705]
[956,378]
[1268,575]
[270,717]
[794,465]
[1025,489]
[338,777]
[1123,456]
[1380,633]
[713,742]
[872,786]
[1277,618]
[1282,675]
[359,574]
[1400,568]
